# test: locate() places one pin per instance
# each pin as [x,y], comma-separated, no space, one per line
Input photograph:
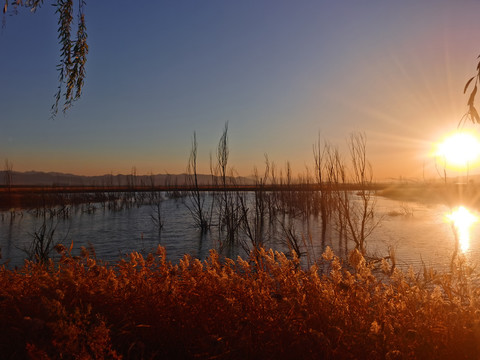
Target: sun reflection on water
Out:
[462,220]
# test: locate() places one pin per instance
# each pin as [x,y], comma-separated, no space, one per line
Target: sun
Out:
[459,149]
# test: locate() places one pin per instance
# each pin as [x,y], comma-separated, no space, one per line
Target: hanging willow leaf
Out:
[80,50]
[468,83]
[73,51]
[474,114]
[471,99]
[32,4]
[73,55]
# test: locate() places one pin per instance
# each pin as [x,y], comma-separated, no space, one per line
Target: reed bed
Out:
[266,307]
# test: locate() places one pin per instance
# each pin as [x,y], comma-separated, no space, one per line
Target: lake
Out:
[419,233]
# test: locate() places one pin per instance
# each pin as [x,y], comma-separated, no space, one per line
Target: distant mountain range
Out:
[37,178]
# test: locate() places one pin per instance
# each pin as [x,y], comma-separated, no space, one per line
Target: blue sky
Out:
[278,71]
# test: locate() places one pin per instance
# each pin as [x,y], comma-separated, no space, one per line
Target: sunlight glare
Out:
[462,220]
[459,149]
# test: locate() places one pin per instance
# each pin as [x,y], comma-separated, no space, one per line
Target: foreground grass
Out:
[265,308]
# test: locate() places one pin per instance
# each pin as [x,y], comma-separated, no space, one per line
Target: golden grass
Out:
[264,308]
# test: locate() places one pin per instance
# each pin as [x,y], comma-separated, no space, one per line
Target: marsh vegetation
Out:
[358,301]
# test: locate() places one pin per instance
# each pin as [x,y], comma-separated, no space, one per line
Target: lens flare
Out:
[459,149]
[462,220]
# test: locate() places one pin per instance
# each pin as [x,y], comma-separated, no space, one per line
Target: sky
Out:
[279,72]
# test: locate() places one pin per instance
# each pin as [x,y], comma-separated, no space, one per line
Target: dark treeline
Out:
[28,190]
[25,197]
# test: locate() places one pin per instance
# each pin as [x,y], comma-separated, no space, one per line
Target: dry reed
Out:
[266,307]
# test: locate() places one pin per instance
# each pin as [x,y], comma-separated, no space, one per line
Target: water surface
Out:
[419,234]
